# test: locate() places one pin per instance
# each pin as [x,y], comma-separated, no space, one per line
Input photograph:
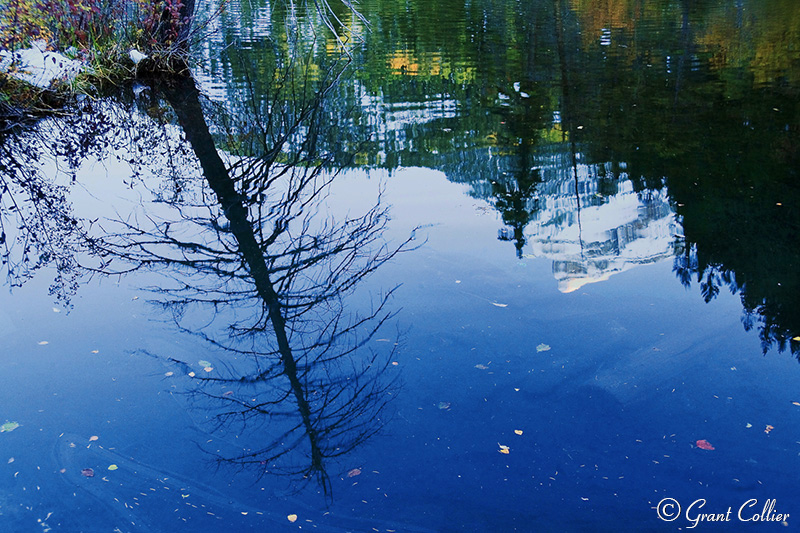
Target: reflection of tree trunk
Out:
[183,96]
[566,108]
[686,34]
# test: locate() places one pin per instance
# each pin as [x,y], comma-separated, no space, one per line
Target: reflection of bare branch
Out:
[37,226]
[266,262]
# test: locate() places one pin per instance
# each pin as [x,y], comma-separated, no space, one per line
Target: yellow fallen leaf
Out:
[93,438]
[244,513]
[112,467]
[291,518]
[518,431]
[503,449]
[796,338]
[796,403]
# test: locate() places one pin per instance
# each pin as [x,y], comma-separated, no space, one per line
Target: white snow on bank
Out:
[37,66]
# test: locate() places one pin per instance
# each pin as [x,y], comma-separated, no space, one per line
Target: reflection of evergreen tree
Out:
[513,190]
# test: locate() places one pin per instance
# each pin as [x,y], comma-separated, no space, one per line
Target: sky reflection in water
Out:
[567,172]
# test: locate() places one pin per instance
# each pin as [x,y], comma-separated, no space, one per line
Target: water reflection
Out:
[283,271]
[605,134]
[254,263]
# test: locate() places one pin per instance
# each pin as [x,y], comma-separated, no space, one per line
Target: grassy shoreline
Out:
[101,35]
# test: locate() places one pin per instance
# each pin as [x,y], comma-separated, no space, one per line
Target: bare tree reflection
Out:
[265,260]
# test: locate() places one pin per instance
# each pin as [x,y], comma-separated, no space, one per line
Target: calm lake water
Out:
[504,266]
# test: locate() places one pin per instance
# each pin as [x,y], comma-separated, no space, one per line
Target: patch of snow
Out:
[39,67]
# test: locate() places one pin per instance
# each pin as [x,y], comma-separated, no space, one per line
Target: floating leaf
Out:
[208,368]
[354,472]
[56,310]
[9,426]
[203,363]
[112,467]
[168,374]
[292,518]
[63,470]
[11,460]
[43,343]
[499,305]
[768,429]
[703,444]
[749,425]
[95,351]
[228,393]
[797,339]
[395,363]
[191,374]
[93,438]
[503,449]
[542,347]
[518,431]
[481,367]
[796,403]
[444,405]
[87,472]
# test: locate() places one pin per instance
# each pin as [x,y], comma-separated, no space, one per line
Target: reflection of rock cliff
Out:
[590,236]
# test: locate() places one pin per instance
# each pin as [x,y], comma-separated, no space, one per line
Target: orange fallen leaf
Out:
[768,429]
[503,449]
